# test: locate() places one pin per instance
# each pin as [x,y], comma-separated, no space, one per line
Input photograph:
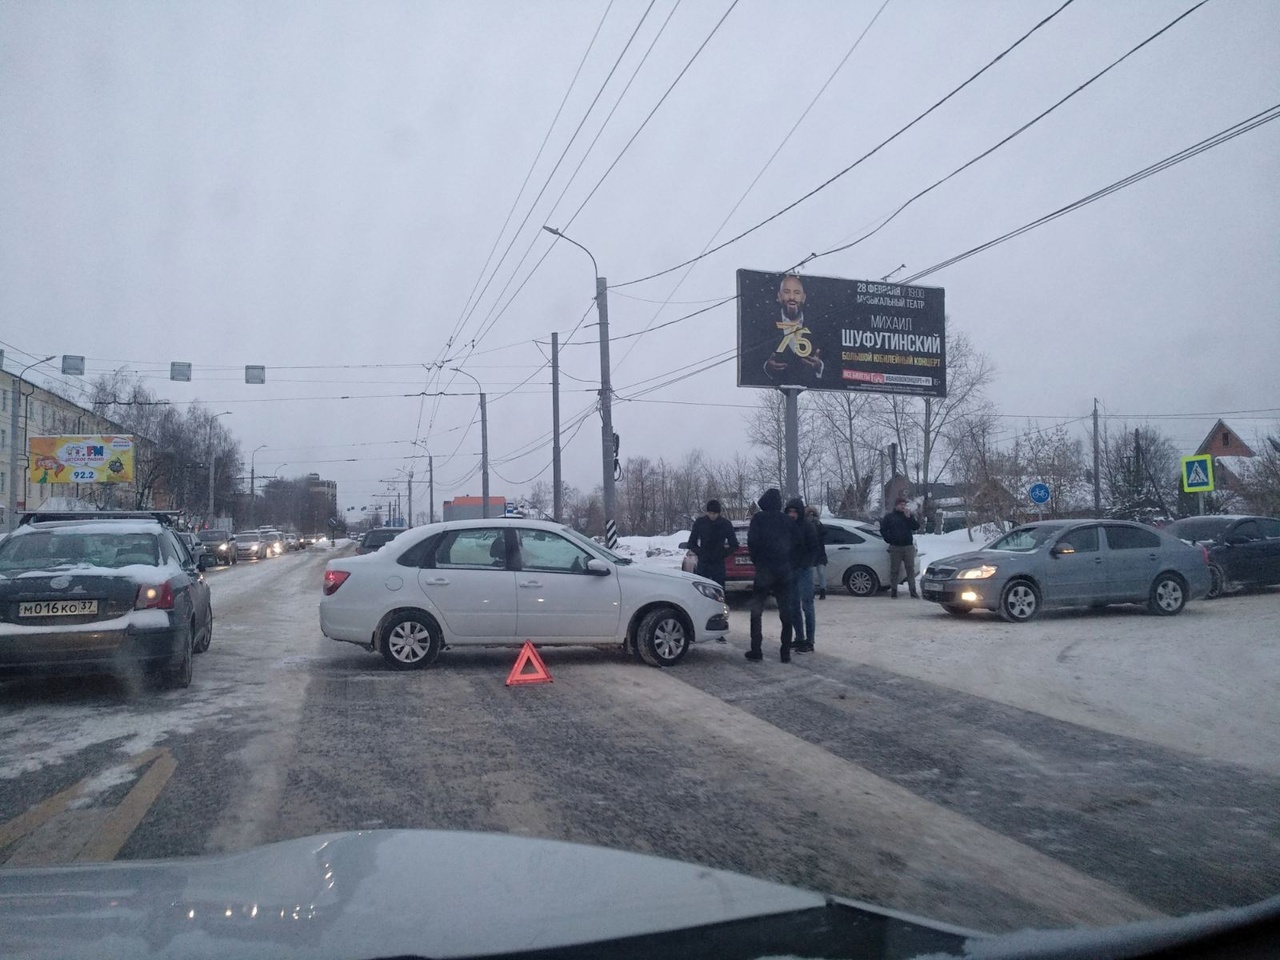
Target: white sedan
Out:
[858,558]
[501,582]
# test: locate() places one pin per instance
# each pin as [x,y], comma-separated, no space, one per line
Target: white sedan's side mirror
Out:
[598,568]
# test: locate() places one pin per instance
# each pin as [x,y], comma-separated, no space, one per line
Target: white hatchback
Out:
[501,582]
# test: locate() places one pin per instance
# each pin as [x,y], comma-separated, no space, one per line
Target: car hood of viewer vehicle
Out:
[342,895]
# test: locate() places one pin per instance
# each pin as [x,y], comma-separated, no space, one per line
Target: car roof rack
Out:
[166,517]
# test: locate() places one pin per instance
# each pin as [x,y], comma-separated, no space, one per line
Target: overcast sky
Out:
[316,187]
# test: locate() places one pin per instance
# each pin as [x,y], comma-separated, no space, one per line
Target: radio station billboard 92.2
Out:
[826,333]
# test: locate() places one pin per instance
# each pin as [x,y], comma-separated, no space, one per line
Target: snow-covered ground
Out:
[1203,682]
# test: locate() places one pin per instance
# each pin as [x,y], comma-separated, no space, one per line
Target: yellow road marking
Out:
[124,819]
[119,824]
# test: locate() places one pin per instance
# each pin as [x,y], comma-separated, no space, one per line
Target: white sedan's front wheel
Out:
[662,638]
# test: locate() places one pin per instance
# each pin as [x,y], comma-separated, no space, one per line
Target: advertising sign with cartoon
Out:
[99,459]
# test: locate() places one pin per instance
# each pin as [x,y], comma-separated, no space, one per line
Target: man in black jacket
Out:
[773,539]
[712,539]
[897,527]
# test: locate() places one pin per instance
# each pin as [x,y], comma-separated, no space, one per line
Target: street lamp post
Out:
[253,492]
[12,510]
[431,483]
[607,457]
[212,461]
[484,447]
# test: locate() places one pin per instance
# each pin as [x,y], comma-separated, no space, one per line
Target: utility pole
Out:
[556,496]
[928,449]
[212,462]
[484,446]
[411,498]
[608,457]
[431,489]
[484,457]
[1097,459]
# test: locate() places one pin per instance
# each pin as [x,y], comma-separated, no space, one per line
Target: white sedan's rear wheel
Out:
[861,581]
[410,641]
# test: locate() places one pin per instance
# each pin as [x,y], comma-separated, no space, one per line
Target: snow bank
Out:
[654,551]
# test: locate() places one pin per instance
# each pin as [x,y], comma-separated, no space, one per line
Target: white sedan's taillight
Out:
[333,579]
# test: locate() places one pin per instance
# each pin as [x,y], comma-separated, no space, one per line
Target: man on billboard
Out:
[794,360]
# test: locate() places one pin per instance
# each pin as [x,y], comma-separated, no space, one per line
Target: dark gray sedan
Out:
[1062,563]
[101,593]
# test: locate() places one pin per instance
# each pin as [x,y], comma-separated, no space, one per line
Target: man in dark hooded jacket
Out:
[773,540]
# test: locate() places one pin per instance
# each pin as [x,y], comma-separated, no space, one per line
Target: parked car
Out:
[486,582]
[250,545]
[1243,551]
[857,558]
[101,593]
[377,538]
[1070,563]
[219,544]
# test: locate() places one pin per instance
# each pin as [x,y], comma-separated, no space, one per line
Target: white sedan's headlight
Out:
[977,573]
[711,591]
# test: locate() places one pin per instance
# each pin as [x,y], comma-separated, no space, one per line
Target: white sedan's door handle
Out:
[530,583]
[437,582]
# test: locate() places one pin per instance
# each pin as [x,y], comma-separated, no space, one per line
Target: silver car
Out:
[1062,563]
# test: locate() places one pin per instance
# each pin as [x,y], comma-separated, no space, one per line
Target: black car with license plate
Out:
[115,593]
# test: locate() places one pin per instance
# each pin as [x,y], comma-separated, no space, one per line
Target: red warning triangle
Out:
[528,655]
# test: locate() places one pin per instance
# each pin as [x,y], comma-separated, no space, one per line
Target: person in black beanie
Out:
[712,540]
[772,540]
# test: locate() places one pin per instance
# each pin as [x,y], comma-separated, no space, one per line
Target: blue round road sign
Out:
[1039,493]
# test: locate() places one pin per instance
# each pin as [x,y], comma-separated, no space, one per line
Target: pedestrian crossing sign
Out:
[1197,474]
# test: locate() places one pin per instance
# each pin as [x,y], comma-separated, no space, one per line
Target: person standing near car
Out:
[820,559]
[713,541]
[772,541]
[898,527]
[803,559]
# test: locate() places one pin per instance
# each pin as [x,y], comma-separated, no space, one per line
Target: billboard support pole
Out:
[791,432]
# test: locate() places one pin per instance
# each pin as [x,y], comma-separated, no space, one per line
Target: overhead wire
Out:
[756,179]
[1217,139]
[490,322]
[874,150]
[1019,131]
[547,182]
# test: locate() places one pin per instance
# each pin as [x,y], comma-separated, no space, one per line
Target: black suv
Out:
[1243,551]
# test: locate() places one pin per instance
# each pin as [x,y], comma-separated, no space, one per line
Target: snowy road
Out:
[1085,768]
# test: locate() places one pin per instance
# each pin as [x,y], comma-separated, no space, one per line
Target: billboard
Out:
[826,333]
[80,459]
